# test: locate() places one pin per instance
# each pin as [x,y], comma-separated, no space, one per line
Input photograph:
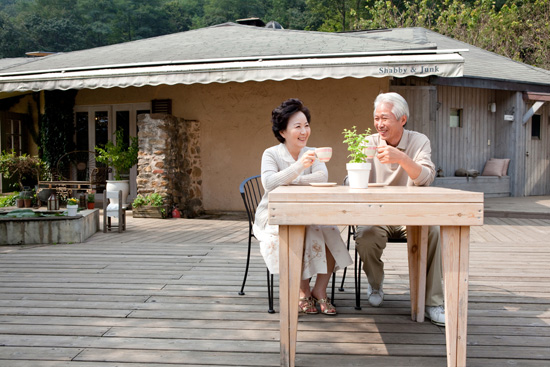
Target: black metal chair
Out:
[251,190]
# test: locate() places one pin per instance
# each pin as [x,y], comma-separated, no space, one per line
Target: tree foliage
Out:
[519,29]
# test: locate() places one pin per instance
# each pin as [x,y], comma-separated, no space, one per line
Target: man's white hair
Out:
[400,107]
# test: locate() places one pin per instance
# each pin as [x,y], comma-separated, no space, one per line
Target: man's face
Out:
[389,128]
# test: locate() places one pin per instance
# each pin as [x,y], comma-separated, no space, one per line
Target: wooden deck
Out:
[165,293]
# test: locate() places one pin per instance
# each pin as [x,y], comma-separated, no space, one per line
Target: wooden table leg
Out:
[417,247]
[455,247]
[291,249]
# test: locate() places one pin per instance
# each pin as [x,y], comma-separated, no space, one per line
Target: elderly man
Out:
[403,159]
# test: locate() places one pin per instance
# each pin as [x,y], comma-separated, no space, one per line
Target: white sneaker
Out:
[375,296]
[436,314]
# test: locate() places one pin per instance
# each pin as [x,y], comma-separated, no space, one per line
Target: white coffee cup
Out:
[370,151]
[324,153]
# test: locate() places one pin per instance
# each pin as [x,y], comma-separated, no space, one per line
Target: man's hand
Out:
[388,154]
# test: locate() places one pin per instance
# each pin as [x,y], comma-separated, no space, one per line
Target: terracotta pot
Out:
[28,203]
[20,203]
[91,205]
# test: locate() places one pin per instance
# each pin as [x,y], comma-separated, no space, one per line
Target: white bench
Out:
[490,186]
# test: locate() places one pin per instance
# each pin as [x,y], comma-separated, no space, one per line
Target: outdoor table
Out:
[294,207]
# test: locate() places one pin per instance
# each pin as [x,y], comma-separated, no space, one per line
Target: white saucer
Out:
[323,184]
[380,184]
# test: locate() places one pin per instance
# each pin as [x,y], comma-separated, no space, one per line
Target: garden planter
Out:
[20,203]
[91,205]
[27,203]
[358,175]
[149,211]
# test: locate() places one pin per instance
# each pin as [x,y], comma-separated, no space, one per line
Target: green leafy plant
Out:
[25,195]
[12,165]
[156,199]
[119,156]
[91,198]
[72,201]
[356,143]
[139,201]
[153,199]
[8,200]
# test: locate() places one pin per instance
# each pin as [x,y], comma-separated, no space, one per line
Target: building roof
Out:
[233,52]
[478,63]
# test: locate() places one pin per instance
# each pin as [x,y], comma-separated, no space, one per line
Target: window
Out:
[535,127]
[455,117]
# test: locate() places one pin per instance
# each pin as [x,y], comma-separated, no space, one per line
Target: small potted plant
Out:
[19,201]
[358,167]
[91,201]
[149,206]
[27,198]
[72,207]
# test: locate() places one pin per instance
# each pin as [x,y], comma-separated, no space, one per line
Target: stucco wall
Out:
[29,105]
[235,123]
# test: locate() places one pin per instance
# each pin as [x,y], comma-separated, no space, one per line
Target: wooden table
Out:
[293,207]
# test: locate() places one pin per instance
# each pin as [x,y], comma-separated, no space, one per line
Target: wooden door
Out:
[537,152]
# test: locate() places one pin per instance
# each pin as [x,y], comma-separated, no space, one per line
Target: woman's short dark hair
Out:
[281,115]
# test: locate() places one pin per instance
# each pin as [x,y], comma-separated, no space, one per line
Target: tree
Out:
[517,29]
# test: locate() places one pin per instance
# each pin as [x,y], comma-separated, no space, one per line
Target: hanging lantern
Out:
[53,202]
[82,201]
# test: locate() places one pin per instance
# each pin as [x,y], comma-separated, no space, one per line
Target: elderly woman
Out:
[293,163]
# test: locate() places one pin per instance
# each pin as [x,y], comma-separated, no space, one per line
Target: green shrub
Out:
[154,199]
[8,200]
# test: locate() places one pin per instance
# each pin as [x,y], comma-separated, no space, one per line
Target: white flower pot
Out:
[123,185]
[358,175]
[72,210]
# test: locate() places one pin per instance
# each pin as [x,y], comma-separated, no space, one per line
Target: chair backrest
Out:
[251,190]
[112,195]
[76,165]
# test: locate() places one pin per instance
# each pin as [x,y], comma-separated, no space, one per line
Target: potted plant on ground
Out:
[358,168]
[121,157]
[149,206]
[19,201]
[27,198]
[72,207]
[91,201]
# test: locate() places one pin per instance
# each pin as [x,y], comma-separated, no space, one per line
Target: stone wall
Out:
[169,161]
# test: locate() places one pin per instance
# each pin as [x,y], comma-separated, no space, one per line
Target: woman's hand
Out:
[308,158]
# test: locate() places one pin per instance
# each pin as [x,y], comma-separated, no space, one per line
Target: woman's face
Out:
[297,131]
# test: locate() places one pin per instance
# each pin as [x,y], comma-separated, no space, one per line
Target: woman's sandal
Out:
[307,305]
[326,307]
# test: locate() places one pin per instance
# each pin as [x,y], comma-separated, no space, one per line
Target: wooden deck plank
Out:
[166,291]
